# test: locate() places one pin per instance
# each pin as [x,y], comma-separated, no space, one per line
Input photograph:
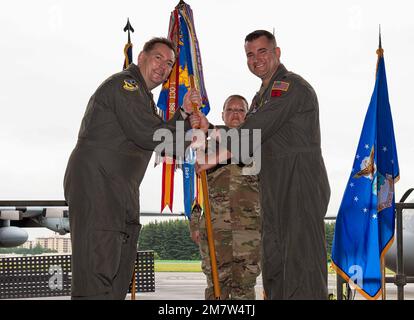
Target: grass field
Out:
[185,266]
[195,266]
[177,266]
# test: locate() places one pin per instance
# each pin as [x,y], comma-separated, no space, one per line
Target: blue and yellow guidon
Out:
[130,85]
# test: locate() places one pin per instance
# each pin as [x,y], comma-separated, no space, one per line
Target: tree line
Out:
[170,240]
[38,249]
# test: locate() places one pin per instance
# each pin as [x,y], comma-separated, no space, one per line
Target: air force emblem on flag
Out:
[382,186]
[368,167]
[130,85]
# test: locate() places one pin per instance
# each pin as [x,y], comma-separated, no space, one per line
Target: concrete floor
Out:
[190,286]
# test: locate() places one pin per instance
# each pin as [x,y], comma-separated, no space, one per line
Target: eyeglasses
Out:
[235,110]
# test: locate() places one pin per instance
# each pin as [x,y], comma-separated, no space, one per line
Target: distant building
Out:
[61,244]
[29,244]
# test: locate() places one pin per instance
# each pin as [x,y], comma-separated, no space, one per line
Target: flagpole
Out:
[380,53]
[384,293]
[128,46]
[128,28]
[134,281]
[210,237]
[128,60]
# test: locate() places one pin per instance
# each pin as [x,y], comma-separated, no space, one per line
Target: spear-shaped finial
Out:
[380,37]
[180,4]
[380,51]
[128,28]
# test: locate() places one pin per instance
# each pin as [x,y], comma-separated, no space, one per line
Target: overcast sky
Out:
[54,54]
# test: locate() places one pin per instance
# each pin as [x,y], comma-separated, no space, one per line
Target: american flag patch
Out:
[280,85]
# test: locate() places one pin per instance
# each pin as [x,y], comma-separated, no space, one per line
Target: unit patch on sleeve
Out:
[130,85]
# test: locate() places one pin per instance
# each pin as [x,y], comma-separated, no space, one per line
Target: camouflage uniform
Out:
[235,215]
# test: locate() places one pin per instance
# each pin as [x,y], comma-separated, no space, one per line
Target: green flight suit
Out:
[102,180]
[294,187]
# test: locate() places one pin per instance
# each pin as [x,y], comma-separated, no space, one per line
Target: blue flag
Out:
[365,223]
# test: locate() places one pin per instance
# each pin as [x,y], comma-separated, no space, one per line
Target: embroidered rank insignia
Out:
[130,85]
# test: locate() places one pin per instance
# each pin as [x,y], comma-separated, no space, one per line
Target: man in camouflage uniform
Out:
[104,172]
[235,215]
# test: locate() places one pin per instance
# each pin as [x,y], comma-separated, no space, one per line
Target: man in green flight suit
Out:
[105,170]
[294,187]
